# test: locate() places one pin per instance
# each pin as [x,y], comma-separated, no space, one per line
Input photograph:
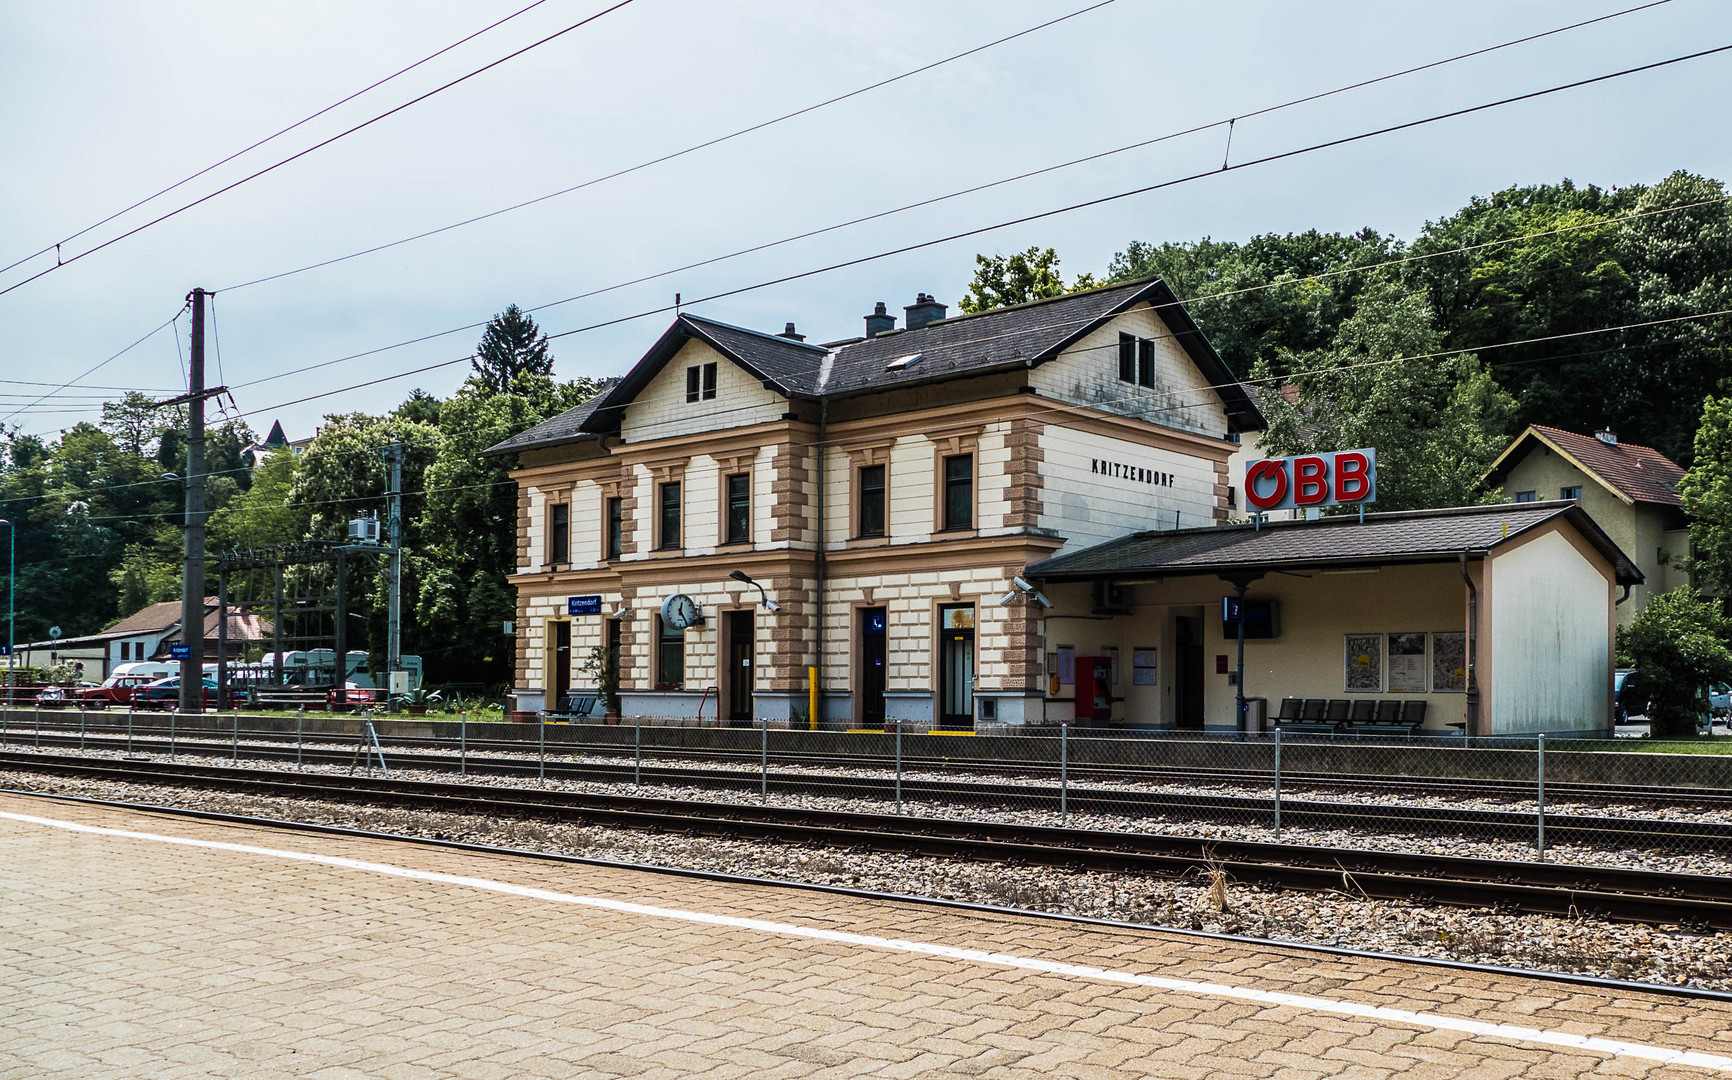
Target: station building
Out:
[1018,517]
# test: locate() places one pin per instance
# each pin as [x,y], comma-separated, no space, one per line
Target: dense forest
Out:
[1579,307]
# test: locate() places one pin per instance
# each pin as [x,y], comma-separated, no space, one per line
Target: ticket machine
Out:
[1094,689]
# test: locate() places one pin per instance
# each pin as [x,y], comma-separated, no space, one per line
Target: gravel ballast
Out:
[1667,956]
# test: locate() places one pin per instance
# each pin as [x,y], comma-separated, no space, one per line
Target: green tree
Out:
[1003,280]
[512,345]
[1437,423]
[1680,644]
[469,521]
[1707,493]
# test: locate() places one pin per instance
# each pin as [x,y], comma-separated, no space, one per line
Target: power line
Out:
[98,367]
[274,135]
[855,221]
[925,202]
[316,146]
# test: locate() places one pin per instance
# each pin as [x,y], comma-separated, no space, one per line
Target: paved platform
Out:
[145,945]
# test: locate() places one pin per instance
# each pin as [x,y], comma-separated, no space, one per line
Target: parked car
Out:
[357,695]
[1629,695]
[54,697]
[115,690]
[165,694]
[1720,699]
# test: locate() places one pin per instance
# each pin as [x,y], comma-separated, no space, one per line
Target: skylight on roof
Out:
[902,363]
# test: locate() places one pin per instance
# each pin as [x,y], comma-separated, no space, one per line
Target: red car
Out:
[115,690]
[357,695]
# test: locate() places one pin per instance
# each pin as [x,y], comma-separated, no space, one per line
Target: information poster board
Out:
[1143,666]
[1407,667]
[1067,665]
[1449,662]
[1364,664]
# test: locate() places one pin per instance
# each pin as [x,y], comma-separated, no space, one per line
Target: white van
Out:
[148,669]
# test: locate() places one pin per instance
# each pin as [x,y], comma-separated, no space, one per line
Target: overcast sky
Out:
[102,103]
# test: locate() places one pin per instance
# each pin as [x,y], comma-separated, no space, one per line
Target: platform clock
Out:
[679,612]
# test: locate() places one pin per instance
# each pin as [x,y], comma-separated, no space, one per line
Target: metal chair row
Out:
[1357,715]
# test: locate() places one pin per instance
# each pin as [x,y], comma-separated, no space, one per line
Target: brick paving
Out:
[126,958]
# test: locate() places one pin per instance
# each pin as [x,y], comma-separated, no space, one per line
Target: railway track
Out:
[1476,787]
[1690,900]
[1613,832]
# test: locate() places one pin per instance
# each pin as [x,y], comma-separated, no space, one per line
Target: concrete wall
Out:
[1550,641]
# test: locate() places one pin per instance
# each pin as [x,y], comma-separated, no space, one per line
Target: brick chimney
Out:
[879,321]
[788,332]
[924,310]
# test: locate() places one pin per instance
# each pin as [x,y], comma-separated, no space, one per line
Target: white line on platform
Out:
[1437,1021]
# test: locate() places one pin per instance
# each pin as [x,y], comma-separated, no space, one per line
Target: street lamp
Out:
[741,575]
[11,594]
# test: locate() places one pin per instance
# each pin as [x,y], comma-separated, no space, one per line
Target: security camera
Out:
[1007,599]
[772,605]
[1040,596]
[616,612]
[1021,584]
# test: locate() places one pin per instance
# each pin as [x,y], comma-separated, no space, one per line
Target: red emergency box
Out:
[1094,688]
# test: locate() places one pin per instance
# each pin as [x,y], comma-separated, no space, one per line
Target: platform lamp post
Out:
[11,595]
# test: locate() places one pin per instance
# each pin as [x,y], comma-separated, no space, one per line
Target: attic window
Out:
[902,363]
[1137,360]
[701,382]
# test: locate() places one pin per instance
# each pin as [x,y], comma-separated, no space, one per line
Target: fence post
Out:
[128,731]
[1277,784]
[37,727]
[5,718]
[170,730]
[463,743]
[235,739]
[764,760]
[1064,774]
[1540,816]
[300,720]
[637,755]
[899,767]
[541,769]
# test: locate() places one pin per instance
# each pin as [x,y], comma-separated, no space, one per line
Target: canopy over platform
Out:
[1411,536]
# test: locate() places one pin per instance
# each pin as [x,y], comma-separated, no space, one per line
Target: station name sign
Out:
[1305,480]
[583,605]
[1125,470]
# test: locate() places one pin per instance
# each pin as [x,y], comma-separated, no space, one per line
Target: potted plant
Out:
[415,702]
[602,665]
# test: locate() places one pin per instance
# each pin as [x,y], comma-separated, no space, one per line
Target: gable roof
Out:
[1635,474]
[1413,536]
[563,428]
[1019,336]
[151,620]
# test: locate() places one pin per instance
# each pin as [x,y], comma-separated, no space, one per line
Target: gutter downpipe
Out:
[815,705]
[1472,649]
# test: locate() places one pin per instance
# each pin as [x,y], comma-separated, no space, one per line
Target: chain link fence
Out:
[1632,802]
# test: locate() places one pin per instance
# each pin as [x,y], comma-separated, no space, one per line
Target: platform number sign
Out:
[1328,479]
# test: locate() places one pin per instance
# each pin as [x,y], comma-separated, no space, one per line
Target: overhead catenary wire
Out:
[269,138]
[60,262]
[1196,176]
[1056,408]
[717,140]
[376,248]
[98,367]
[663,309]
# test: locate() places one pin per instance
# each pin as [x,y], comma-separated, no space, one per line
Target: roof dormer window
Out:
[701,382]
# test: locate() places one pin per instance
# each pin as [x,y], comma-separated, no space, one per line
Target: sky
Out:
[103,103]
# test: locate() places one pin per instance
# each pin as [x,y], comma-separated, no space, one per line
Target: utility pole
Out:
[192,569]
[394,626]
[192,572]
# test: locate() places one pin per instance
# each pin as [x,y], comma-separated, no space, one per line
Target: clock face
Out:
[679,612]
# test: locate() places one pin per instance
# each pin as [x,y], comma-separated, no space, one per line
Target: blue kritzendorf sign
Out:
[583,605]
